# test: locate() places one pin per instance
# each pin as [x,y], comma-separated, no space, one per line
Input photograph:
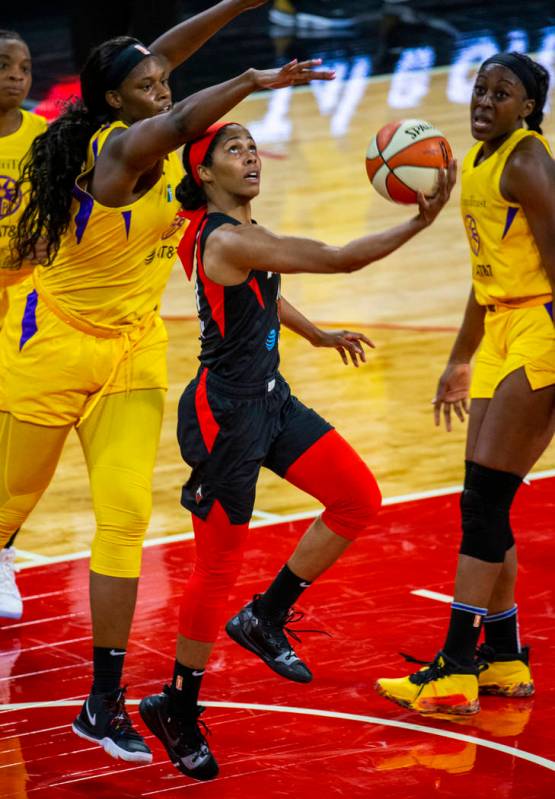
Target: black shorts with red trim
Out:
[228,431]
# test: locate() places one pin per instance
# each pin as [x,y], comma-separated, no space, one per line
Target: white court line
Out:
[276,518]
[33,556]
[538,760]
[432,595]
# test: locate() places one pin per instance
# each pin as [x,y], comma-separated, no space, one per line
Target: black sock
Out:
[501,631]
[108,666]
[11,540]
[463,633]
[185,688]
[282,593]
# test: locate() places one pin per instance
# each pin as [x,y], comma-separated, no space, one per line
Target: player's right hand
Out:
[452,394]
[429,207]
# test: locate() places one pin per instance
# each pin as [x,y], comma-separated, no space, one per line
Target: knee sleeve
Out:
[485,509]
[219,554]
[122,503]
[332,472]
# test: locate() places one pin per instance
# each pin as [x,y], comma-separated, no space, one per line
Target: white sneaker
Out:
[11,604]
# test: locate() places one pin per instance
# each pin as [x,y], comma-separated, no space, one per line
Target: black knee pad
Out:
[485,508]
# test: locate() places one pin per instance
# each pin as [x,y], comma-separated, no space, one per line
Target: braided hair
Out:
[57,157]
[190,195]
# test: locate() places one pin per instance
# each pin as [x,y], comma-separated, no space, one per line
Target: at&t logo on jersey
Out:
[472,233]
[271,339]
[10,198]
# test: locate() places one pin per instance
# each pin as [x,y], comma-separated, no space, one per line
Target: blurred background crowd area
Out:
[359,38]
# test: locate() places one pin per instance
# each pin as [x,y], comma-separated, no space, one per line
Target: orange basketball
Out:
[404,157]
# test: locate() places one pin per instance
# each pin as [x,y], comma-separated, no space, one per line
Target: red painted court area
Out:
[332,738]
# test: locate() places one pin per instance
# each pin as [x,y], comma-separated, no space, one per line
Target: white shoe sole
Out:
[112,749]
[11,614]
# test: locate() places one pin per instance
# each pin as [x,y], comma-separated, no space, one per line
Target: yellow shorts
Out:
[515,338]
[49,371]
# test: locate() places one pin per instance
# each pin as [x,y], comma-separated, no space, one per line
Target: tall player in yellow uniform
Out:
[18,128]
[83,344]
[508,208]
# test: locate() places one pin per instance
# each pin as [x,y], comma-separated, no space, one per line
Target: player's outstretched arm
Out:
[346,342]
[179,43]
[142,145]
[240,248]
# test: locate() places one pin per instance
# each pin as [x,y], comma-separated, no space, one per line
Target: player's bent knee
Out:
[352,513]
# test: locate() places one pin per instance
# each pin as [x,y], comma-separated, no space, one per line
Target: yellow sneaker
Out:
[505,674]
[442,686]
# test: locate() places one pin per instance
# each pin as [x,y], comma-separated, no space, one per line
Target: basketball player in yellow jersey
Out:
[83,344]
[18,128]
[508,208]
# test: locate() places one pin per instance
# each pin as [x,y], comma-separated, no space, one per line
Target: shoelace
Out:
[292,616]
[434,670]
[121,722]
[186,726]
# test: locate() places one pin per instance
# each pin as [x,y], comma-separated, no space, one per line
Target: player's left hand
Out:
[347,343]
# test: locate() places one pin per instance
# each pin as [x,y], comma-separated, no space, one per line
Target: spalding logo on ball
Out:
[404,157]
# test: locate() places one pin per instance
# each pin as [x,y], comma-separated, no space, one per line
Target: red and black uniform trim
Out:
[238,414]
[239,324]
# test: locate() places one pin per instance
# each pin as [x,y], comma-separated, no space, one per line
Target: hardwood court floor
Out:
[314,184]
[336,737]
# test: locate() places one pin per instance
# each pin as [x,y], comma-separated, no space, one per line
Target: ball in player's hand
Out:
[404,157]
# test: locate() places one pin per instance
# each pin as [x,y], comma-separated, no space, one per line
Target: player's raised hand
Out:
[295,73]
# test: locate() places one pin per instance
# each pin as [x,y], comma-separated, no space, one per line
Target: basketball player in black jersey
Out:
[238,415]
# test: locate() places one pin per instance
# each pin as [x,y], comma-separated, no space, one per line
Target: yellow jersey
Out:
[113,263]
[506,264]
[12,150]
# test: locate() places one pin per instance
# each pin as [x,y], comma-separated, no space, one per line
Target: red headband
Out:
[195,154]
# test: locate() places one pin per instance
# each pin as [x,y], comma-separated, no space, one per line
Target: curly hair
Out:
[57,157]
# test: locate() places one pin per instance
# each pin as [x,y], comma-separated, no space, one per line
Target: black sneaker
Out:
[185,744]
[103,720]
[266,638]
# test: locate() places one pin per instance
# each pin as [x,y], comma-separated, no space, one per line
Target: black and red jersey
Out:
[239,325]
